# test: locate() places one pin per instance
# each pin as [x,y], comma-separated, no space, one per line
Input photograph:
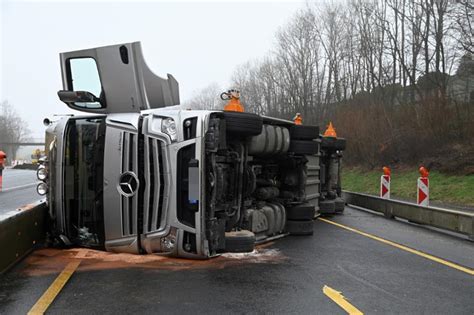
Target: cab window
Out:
[84,76]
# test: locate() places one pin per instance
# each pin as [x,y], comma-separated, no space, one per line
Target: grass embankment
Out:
[444,189]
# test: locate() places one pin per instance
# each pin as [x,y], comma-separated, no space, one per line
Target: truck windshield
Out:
[83,181]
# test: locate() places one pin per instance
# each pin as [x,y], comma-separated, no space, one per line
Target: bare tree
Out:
[206,98]
[379,68]
[464,24]
[13,129]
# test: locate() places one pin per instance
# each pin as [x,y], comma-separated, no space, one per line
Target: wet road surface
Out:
[286,276]
[19,189]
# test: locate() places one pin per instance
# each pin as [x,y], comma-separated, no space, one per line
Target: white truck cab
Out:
[139,175]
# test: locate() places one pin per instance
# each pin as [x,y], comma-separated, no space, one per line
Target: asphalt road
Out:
[286,276]
[19,189]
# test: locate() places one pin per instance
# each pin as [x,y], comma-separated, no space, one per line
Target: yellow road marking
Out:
[340,300]
[405,248]
[48,297]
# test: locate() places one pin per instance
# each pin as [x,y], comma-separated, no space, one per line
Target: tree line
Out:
[395,76]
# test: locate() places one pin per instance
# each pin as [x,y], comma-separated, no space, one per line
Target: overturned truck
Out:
[137,175]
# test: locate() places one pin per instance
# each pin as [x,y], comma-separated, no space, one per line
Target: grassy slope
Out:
[443,188]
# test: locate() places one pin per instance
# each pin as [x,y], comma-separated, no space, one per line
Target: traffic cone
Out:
[298,120]
[330,131]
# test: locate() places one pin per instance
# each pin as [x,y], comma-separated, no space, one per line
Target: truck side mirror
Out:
[77,97]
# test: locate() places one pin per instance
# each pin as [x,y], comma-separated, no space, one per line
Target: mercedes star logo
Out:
[128,184]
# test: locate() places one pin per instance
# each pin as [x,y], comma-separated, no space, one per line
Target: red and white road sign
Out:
[385,186]
[423,195]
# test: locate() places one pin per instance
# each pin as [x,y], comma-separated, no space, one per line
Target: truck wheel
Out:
[334,143]
[339,205]
[243,124]
[304,147]
[300,212]
[300,227]
[300,132]
[327,207]
[239,241]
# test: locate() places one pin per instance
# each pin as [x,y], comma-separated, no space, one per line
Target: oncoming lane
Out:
[17,177]
[19,189]
[287,276]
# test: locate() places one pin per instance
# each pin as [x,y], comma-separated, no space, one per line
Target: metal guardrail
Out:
[451,220]
[20,233]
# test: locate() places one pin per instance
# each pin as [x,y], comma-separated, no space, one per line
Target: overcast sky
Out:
[198,42]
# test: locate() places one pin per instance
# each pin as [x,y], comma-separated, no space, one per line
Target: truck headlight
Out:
[42,189]
[42,172]
[168,126]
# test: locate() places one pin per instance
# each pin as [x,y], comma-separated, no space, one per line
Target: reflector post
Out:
[385,183]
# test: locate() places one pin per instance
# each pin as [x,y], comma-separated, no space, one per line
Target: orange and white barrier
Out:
[385,183]
[423,192]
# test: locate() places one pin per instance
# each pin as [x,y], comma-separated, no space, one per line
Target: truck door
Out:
[113,79]
[122,182]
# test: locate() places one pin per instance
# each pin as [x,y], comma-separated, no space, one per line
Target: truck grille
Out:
[154,191]
[128,205]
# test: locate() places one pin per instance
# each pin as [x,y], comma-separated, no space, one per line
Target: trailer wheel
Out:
[304,147]
[243,124]
[299,227]
[301,212]
[327,207]
[339,205]
[239,241]
[300,132]
[334,143]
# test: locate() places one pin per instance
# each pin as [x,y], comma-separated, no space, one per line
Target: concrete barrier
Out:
[20,233]
[451,220]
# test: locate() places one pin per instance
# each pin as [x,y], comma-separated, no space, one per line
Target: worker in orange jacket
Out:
[3,157]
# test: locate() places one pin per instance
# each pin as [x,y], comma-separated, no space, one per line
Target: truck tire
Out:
[243,124]
[299,227]
[327,207]
[239,241]
[300,132]
[300,212]
[304,147]
[334,143]
[339,205]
